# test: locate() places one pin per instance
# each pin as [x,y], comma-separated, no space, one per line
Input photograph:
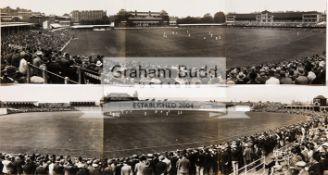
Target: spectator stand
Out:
[8,28]
[34,106]
[85,106]
[19,104]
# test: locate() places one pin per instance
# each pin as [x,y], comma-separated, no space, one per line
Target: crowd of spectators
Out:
[304,71]
[42,49]
[23,107]
[278,24]
[307,154]
[39,109]
[306,143]
[42,107]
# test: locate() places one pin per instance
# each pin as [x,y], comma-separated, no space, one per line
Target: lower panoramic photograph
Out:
[128,133]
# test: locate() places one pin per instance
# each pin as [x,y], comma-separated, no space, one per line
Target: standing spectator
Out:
[144,168]
[168,163]
[109,169]
[7,165]
[29,167]
[234,157]
[247,154]
[183,165]
[126,168]
[160,166]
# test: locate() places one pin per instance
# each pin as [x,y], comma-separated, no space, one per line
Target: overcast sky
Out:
[173,7]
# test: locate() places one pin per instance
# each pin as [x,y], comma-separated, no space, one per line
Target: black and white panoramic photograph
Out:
[64,42]
[163,87]
[59,130]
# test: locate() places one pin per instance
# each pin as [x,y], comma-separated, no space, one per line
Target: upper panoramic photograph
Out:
[261,41]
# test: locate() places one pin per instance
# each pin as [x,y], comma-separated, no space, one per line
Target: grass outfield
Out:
[67,133]
[90,135]
[131,135]
[241,46]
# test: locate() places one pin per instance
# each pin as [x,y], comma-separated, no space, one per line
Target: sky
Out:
[180,8]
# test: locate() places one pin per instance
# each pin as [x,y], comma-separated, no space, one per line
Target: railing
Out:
[84,76]
[87,75]
[257,165]
[45,75]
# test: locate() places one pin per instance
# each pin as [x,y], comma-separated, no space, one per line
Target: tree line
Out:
[218,17]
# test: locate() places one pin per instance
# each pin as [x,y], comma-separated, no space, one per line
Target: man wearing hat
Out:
[183,164]
[226,159]
[16,58]
[6,165]
[143,167]
[126,168]
[301,167]
[235,157]
[284,79]
[9,75]
[109,169]
[99,63]
[168,162]
[160,166]
[247,154]
[241,78]
[272,78]
[311,76]
[252,75]
[22,68]
[199,162]
[301,78]
[69,167]
[42,167]
[29,167]
[261,77]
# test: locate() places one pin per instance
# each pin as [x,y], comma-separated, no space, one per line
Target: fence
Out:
[255,166]
[259,166]
[84,76]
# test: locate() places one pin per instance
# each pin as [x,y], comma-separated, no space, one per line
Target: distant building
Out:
[320,100]
[115,97]
[23,15]
[146,19]
[319,103]
[173,21]
[55,21]
[271,17]
[265,17]
[9,28]
[311,17]
[5,17]
[230,18]
[88,15]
